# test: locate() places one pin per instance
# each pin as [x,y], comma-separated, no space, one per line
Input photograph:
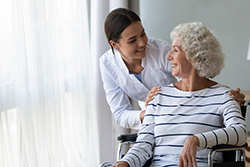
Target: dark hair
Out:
[117,21]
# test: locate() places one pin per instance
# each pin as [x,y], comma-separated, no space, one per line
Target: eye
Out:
[132,41]
[143,34]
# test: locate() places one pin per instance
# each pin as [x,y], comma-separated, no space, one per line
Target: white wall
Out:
[229,19]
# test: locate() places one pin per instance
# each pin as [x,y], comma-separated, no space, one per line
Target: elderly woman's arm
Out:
[188,154]
[142,150]
[234,133]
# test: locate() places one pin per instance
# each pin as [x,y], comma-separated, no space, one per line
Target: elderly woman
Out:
[187,118]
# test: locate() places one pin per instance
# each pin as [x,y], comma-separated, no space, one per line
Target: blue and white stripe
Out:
[174,115]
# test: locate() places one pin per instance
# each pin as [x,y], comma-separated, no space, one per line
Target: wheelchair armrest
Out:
[127,137]
[225,146]
[230,154]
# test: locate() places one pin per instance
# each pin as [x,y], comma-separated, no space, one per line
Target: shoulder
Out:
[109,59]
[227,102]
[169,89]
[157,43]
[105,61]
[220,91]
[220,88]
[107,56]
[158,48]
[109,62]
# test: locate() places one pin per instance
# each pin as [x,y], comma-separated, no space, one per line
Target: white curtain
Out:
[47,85]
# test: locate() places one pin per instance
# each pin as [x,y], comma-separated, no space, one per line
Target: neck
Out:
[134,66]
[194,84]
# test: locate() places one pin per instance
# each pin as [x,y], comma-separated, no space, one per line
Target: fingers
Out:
[180,164]
[193,162]
[187,157]
[187,161]
[237,90]
[152,93]
[120,164]
[239,97]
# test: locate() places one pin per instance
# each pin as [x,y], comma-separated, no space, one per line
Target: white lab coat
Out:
[119,84]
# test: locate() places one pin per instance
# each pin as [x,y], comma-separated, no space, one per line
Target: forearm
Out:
[128,118]
[121,109]
[231,136]
[234,133]
[142,150]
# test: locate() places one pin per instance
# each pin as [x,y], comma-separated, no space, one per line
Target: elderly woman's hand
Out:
[239,97]
[188,154]
[120,164]
[151,94]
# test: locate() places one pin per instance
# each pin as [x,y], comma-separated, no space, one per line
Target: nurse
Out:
[135,67]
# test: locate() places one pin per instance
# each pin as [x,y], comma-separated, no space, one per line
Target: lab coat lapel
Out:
[128,81]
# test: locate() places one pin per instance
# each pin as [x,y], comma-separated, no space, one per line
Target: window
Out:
[45,84]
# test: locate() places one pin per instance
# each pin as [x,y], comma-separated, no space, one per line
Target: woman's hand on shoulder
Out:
[151,94]
[142,114]
[239,97]
[120,164]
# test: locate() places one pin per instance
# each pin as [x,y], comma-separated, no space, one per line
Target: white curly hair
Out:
[201,46]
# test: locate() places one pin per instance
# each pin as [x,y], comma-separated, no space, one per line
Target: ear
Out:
[114,44]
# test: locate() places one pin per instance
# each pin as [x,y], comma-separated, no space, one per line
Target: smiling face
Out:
[133,42]
[181,67]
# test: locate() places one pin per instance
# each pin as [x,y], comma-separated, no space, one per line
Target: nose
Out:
[142,42]
[169,56]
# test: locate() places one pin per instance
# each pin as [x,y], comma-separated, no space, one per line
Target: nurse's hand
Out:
[188,153]
[142,114]
[151,94]
[239,97]
[120,164]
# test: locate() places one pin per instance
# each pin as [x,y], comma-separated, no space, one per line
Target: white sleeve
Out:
[142,105]
[119,102]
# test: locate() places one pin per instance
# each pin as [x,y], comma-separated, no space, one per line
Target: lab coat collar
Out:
[120,61]
[125,79]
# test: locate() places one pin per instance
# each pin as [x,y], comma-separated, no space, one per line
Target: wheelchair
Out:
[233,156]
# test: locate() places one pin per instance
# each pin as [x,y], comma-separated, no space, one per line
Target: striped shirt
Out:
[174,115]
